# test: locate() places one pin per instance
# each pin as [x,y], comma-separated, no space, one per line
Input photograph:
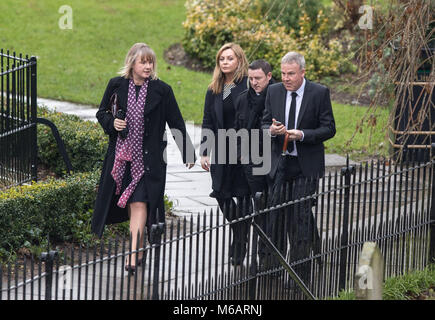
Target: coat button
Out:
[147,119]
[146,151]
[147,168]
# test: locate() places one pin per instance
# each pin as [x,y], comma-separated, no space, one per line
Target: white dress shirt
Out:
[300,95]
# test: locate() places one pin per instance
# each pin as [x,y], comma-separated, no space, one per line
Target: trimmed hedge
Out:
[59,209]
[85,142]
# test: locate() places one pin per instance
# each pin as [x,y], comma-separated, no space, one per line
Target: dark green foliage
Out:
[54,209]
[85,143]
[58,210]
[289,12]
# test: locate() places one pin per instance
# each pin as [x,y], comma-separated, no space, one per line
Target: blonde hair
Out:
[217,83]
[142,51]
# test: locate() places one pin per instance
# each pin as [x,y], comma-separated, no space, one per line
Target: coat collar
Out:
[219,104]
[305,99]
[153,97]
[152,100]
[123,93]
[282,95]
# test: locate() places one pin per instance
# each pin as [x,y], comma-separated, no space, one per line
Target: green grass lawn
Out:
[75,65]
[367,141]
[410,286]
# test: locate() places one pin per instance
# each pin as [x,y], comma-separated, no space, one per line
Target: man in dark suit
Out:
[301,111]
[249,113]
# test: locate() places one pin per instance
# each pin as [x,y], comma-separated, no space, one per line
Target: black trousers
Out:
[292,229]
[231,211]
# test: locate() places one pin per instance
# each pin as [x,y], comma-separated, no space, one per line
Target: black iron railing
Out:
[382,201]
[17,119]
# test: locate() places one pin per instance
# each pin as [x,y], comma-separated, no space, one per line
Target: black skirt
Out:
[140,194]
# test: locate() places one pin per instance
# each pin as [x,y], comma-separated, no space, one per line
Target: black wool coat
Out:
[213,119]
[247,117]
[160,108]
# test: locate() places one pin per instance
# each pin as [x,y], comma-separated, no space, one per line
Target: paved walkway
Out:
[188,189]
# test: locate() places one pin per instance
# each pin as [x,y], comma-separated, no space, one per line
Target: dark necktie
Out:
[292,119]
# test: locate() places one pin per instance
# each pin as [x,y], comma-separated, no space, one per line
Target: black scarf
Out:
[256,105]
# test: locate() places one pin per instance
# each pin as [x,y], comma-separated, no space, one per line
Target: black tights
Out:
[233,210]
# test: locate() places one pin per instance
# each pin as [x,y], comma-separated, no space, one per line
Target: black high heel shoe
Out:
[130,269]
[141,261]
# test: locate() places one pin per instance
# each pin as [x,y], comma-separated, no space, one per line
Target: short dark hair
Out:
[261,64]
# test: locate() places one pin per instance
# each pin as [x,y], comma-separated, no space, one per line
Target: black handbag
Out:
[113,104]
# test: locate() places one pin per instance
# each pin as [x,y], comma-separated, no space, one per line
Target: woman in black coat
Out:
[133,177]
[228,180]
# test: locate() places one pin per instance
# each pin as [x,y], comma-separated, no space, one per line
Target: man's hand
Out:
[277,128]
[205,163]
[294,135]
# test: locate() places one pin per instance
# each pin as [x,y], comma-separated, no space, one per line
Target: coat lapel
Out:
[239,88]
[152,100]
[219,103]
[281,103]
[304,103]
[219,109]
[123,93]
[153,97]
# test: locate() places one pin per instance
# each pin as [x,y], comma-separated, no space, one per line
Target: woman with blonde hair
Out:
[228,180]
[134,111]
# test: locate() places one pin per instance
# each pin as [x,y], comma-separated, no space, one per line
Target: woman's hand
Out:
[205,163]
[119,124]
[190,165]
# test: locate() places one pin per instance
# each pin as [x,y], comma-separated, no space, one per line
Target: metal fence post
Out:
[156,238]
[347,172]
[33,112]
[59,141]
[256,204]
[49,258]
[432,211]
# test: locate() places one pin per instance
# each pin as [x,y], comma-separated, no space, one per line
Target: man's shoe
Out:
[236,262]
[290,285]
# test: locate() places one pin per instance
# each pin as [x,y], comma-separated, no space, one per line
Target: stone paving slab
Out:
[85,112]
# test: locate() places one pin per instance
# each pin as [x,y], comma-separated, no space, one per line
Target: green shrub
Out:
[85,142]
[210,24]
[289,12]
[57,209]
